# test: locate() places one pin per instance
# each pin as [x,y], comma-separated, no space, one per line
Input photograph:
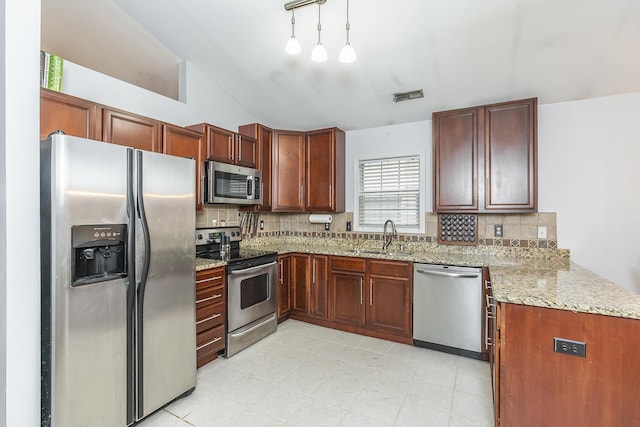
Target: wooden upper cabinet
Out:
[131,130]
[455,136]
[181,142]
[74,116]
[288,177]
[485,158]
[325,156]
[228,147]
[264,142]
[510,144]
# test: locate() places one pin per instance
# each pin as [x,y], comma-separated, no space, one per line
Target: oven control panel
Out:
[207,236]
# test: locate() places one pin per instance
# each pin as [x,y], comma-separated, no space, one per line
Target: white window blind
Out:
[390,189]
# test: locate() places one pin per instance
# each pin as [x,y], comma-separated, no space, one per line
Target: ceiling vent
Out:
[406,96]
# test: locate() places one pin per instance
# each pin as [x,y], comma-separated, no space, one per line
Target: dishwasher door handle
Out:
[452,275]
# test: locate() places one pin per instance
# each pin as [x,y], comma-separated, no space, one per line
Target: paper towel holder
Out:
[320,218]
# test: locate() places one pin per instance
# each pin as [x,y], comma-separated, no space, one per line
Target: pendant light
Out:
[293,45]
[319,53]
[347,54]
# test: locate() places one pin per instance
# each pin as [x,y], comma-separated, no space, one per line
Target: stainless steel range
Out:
[252,280]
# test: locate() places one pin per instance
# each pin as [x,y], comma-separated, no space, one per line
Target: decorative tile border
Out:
[413,238]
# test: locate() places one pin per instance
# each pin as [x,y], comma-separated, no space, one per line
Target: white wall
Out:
[19,214]
[588,173]
[205,101]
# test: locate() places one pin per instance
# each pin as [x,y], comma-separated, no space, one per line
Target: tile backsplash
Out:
[519,230]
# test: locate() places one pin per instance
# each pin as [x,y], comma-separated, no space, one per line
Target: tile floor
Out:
[305,375]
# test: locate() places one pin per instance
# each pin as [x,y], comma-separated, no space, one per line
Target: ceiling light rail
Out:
[319,53]
[300,3]
[406,96]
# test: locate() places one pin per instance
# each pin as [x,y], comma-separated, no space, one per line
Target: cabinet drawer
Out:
[390,268]
[348,263]
[210,277]
[209,343]
[211,295]
[209,316]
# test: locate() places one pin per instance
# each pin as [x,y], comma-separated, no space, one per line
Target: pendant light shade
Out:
[293,45]
[319,53]
[347,54]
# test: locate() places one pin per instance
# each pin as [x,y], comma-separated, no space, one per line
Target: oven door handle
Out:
[247,270]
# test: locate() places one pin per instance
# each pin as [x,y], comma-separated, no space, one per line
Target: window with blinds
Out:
[389,189]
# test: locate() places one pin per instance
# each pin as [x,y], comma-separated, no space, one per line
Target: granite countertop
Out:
[536,278]
[203,264]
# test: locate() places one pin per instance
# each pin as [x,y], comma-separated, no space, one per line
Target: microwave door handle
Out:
[249,187]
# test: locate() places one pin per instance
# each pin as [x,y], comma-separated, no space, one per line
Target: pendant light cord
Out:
[293,22]
[348,26]
[319,26]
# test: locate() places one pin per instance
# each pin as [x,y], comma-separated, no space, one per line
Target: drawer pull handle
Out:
[209,343]
[216,296]
[210,279]
[209,318]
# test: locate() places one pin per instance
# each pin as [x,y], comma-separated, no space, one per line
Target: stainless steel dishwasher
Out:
[447,309]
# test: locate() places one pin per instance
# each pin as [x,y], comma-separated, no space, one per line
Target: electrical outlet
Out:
[327,226]
[349,227]
[542,232]
[261,224]
[497,230]
[570,347]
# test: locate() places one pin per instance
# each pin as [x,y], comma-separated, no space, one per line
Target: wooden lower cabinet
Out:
[370,297]
[346,294]
[210,314]
[284,285]
[389,297]
[299,290]
[539,386]
[319,277]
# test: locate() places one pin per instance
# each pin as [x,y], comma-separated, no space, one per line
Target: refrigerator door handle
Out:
[130,287]
[142,282]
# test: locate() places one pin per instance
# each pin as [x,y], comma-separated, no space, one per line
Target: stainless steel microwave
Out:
[232,184]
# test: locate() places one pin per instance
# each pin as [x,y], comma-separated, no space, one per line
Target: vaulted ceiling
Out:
[461,53]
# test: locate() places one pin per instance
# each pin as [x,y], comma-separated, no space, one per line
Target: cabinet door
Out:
[245,151]
[288,172]
[131,130]
[299,291]
[220,144]
[388,297]
[265,142]
[264,139]
[284,280]
[74,116]
[510,144]
[494,362]
[178,141]
[346,294]
[320,177]
[455,156]
[319,276]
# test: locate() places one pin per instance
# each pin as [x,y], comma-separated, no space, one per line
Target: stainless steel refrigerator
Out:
[118,281]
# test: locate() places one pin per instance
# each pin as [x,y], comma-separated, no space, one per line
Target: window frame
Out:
[357,227]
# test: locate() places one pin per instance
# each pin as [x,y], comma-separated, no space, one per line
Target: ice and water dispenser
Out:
[99,253]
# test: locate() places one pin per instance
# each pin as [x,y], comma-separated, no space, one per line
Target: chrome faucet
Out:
[387,239]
